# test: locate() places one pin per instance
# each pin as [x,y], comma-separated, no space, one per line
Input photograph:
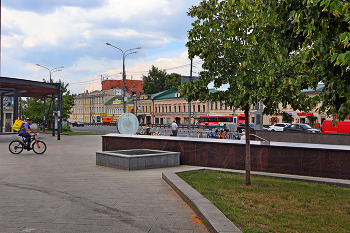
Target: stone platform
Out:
[303,159]
[138,159]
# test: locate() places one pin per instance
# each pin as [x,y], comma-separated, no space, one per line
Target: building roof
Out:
[130,100]
[167,94]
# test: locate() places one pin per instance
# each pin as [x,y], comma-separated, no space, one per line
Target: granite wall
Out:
[286,158]
[316,138]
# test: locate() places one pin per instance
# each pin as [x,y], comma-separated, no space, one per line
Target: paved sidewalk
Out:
[64,191]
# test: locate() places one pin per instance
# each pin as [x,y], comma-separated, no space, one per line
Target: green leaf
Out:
[341,57]
[316,2]
[334,57]
[343,36]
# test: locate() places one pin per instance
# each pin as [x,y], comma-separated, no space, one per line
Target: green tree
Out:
[33,107]
[316,34]
[154,82]
[158,80]
[172,81]
[227,36]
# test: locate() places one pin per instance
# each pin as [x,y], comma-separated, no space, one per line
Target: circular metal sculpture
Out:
[128,124]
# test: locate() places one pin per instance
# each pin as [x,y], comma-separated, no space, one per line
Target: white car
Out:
[278,127]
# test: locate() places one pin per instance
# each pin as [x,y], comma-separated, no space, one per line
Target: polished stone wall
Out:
[315,138]
[332,161]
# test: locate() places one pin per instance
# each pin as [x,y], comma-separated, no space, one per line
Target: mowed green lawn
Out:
[274,205]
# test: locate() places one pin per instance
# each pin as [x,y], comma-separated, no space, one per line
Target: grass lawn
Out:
[274,205]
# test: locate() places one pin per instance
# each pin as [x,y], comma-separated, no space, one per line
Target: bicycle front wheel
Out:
[39,147]
[16,147]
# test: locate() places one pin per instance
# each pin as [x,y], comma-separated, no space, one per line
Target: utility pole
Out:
[189,105]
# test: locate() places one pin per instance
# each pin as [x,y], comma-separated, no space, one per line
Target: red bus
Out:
[220,120]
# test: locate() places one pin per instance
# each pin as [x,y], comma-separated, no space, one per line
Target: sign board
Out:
[102,115]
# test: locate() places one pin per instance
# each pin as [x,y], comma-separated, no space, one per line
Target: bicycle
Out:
[17,146]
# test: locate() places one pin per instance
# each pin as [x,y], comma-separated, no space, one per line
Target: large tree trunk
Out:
[247,147]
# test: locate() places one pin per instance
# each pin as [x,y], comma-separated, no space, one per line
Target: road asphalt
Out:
[63,190]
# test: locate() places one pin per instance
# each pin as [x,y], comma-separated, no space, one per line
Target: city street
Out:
[113,129]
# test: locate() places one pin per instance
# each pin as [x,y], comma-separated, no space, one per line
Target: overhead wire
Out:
[135,73]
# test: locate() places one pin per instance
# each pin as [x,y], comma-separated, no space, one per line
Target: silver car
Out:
[278,127]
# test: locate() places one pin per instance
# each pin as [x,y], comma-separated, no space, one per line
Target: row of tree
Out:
[269,51]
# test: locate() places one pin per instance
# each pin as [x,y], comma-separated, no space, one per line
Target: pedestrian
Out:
[174,128]
[243,136]
[148,129]
[24,132]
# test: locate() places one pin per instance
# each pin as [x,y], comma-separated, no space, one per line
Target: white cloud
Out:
[75,37]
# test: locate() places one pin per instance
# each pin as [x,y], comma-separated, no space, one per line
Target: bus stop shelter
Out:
[16,88]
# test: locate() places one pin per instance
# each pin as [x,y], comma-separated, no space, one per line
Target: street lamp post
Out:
[51,71]
[126,53]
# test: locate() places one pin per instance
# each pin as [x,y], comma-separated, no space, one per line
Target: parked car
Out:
[278,127]
[114,122]
[241,127]
[343,127]
[301,128]
[78,124]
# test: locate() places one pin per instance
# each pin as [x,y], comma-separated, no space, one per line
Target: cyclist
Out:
[24,132]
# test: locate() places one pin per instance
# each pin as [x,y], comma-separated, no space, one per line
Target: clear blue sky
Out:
[73,34]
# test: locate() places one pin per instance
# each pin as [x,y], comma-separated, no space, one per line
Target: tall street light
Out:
[52,70]
[126,53]
[53,99]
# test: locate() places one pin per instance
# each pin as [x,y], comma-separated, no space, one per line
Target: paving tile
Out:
[65,191]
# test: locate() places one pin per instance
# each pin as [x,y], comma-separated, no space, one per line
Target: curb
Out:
[210,215]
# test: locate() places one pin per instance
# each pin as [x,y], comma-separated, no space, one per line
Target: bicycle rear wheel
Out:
[39,147]
[16,147]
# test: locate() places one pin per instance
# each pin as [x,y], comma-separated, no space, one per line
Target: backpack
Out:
[17,125]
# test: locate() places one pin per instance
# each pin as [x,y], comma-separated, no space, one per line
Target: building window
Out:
[203,108]
[162,109]
[199,108]
[146,108]
[166,108]
[134,85]
[169,108]
[143,108]
[174,108]
[216,105]
[150,108]
[194,108]
[211,106]
[179,108]
[184,108]
[221,105]
[158,109]
[134,93]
